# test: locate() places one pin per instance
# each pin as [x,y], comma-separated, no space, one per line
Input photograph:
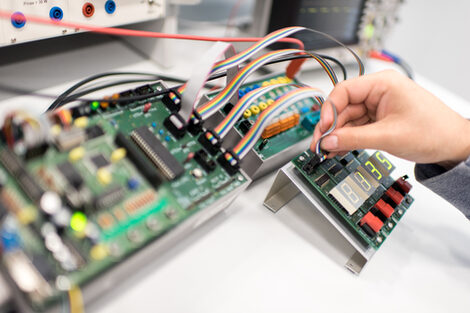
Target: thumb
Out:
[367,136]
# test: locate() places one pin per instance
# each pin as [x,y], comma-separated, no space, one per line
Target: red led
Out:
[385,208]
[372,221]
[147,107]
[394,195]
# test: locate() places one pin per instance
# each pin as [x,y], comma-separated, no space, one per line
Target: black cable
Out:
[58,102]
[337,62]
[212,77]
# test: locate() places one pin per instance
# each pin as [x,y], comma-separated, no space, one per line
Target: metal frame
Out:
[289,184]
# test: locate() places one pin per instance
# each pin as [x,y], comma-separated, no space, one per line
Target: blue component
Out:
[311,120]
[56,14]
[161,131]
[154,125]
[110,6]
[304,110]
[10,240]
[133,183]
[241,93]
[167,138]
[256,86]
[18,20]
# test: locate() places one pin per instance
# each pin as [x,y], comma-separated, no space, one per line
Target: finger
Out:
[350,113]
[326,116]
[358,122]
[369,136]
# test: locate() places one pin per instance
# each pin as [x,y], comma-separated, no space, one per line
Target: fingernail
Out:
[330,143]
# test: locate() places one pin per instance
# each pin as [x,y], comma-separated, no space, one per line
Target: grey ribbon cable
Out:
[199,76]
[328,132]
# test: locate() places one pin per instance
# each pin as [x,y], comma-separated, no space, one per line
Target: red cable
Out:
[137,33]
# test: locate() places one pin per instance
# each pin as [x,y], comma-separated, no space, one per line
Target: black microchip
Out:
[138,159]
[322,180]
[109,198]
[94,131]
[157,152]
[71,174]
[99,161]
[335,169]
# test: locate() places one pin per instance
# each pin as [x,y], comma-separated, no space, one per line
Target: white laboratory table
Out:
[251,260]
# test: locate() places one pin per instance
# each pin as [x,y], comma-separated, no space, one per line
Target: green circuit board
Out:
[115,208]
[308,110]
[352,185]
[123,178]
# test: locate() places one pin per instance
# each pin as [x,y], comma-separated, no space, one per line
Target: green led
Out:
[369,31]
[78,222]
[95,105]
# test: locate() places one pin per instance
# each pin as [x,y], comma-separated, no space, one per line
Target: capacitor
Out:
[50,202]
[147,107]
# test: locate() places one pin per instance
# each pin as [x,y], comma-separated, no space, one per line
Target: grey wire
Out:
[329,131]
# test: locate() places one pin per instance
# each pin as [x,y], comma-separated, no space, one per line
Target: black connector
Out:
[176,125]
[202,158]
[227,108]
[245,126]
[311,164]
[144,90]
[263,144]
[379,214]
[172,105]
[230,162]
[210,141]
[195,124]
[369,231]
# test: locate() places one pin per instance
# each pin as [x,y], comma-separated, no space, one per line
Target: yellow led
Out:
[288,80]
[56,129]
[81,122]
[104,176]
[255,109]
[283,80]
[247,114]
[263,106]
[270,101]
[78,222]
[274,81]
[118,155]
[99,252]
[76,154]
[265,84]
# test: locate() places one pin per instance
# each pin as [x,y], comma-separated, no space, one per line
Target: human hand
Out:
[389,112]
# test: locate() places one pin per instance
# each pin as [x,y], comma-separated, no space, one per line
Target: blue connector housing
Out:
[110,6]
[56,14]
[18,20]
[310,120]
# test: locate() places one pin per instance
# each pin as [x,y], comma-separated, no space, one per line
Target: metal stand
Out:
[290,184]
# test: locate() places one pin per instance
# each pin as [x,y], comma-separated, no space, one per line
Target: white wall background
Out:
[433,36]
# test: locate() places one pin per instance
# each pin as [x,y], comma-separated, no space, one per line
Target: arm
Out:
[389,112]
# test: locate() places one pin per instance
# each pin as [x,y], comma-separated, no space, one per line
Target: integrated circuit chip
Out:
[99,161]
[157,152]
[71,174]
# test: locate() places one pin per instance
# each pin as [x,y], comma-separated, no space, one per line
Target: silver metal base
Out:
[289,184]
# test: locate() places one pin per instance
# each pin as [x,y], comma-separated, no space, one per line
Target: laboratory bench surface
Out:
[248,259]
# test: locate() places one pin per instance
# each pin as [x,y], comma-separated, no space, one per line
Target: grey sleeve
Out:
[452,185]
